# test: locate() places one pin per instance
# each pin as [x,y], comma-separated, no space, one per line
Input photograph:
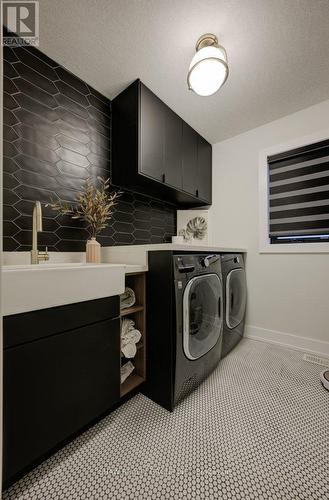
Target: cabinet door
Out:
[204,169]
[173,149]
[55,386]
[190,160]
[151,135]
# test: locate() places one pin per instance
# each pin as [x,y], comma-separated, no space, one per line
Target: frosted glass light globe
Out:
[208,70]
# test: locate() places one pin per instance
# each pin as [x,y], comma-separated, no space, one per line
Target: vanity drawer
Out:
[27,327]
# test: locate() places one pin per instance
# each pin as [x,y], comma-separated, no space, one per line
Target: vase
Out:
[93,251]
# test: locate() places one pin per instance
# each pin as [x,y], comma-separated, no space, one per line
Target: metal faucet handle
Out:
[43,255]
[37,256]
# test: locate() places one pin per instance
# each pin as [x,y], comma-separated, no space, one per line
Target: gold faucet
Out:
[37,256]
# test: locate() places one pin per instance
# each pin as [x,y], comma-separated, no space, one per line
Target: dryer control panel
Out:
[196,264]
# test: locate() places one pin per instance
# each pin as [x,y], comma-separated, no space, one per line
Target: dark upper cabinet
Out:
[204,169]
[160,140]
[152,135]
[190,160]
[173,143]
[154,152]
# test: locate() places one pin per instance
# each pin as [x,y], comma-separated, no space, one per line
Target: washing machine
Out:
[235,299]
[184,323]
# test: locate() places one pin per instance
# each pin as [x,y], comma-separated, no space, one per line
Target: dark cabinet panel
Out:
[190,160]
[152,135]
[125,138]
[154,151]
[33,325]
[53,387]
[173,149]
[204,169]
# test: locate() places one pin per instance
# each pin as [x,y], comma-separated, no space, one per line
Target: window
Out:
[299,195]
[294,196]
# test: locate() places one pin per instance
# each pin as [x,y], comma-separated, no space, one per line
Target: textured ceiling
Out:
[278,53]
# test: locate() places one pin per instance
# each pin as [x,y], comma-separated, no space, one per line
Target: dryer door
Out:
[202,315]
[236,297]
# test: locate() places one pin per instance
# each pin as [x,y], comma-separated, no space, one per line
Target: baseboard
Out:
[287,340]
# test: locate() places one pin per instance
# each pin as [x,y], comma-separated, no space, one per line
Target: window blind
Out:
[299,194]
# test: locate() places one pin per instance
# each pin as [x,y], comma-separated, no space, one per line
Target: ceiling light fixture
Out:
[208,70]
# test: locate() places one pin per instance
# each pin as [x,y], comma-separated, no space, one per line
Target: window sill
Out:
[294,248]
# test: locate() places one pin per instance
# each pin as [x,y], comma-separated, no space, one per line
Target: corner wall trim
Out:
[287,340]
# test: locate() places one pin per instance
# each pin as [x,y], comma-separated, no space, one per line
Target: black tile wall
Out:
[56,135]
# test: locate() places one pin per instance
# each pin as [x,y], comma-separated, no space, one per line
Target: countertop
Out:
[23,259]
[133,257]
[135,268]
[137,254]
[65,279]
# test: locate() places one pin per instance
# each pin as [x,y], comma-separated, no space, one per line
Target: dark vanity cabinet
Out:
[61,372]
[155,152]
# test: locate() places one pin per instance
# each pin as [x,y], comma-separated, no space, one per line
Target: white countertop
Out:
[66,278]
[137,254]
[62,258]
[135,268]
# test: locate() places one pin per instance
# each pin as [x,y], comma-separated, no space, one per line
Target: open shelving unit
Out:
[131,310]
[136,281]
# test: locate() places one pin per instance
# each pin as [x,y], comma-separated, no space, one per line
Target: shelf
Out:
[135,273]
[137,314]
[131,310]
[130,383]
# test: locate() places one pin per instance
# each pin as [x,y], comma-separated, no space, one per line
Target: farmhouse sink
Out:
[40,286]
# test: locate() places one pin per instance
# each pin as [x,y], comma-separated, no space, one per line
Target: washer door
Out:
[202,315]
[236,297]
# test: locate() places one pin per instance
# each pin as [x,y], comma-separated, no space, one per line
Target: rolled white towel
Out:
[126,370]
[130,336]
[127,298]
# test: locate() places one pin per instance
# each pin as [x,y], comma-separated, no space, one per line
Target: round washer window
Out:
[202,318]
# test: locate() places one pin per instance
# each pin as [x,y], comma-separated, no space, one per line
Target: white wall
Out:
[288,293]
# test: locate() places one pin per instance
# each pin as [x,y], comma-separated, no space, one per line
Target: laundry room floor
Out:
[257,428]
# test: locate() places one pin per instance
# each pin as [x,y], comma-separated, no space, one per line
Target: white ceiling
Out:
[278,53]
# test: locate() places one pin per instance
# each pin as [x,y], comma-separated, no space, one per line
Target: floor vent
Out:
[316,360]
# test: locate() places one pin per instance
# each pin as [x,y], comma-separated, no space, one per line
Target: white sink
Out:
[43,266]
[32,287]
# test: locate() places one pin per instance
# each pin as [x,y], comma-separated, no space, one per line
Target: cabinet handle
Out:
[197,193]
[163,177]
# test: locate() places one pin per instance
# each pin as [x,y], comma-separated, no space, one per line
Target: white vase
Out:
[93,251]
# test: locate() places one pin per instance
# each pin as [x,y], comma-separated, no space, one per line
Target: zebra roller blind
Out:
[299,194]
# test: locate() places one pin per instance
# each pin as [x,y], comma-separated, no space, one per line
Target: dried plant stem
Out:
[94,205]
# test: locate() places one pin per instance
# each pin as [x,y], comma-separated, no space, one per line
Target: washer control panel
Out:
[196,263]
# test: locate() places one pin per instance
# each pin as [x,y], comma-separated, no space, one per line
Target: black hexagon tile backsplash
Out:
[57,134]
